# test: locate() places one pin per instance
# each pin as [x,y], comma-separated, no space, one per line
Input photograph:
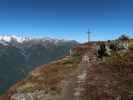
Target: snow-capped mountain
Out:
[10,38]
[6,40]
[14,40]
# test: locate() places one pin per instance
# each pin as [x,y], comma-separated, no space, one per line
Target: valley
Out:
[19,57]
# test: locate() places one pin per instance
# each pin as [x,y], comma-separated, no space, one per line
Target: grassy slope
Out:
[47,77]
[111,79]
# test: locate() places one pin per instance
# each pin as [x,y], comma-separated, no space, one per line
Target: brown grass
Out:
[111,80]
[46,77]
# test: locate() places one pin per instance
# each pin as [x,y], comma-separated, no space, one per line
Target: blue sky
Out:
[68,19]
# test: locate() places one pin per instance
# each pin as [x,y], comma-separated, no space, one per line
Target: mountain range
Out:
[20,55]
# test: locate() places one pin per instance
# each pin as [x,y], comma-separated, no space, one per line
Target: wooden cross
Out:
[88,35]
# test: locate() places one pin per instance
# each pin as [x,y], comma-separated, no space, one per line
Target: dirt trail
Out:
[74,85]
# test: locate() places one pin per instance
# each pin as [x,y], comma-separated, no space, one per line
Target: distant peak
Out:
[5,39]
[9,38]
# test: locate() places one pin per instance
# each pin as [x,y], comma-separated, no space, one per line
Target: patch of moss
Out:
[67,62]
[28,87]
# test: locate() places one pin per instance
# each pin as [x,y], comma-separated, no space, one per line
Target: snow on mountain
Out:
[12,39]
